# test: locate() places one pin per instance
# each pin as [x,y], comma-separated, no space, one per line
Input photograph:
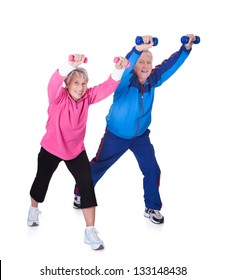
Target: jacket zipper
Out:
[142,109]
[141,101]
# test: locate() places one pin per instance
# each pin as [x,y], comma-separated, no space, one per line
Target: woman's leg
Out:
[34,203]
[81,171]
[47,164]
[89,216]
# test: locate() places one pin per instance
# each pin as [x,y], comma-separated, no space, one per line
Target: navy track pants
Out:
[113,147]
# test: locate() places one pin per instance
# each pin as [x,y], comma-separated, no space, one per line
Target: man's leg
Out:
[145,155]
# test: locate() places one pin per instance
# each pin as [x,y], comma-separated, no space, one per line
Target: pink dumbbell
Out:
[71,58]
[116,59]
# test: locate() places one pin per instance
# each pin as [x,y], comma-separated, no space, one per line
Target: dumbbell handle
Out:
[71,58]
[116,59]
[184,40]
[139,40]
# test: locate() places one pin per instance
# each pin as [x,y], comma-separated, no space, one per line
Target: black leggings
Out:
[79,168]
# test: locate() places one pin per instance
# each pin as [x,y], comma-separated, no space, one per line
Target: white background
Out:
[187,132]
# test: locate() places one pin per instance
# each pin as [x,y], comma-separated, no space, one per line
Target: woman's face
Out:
[77,86]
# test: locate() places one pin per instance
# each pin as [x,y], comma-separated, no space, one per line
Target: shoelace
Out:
[154,211]
[34,213]
[93,234]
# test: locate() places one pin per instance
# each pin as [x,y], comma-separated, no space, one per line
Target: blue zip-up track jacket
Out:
[130,114]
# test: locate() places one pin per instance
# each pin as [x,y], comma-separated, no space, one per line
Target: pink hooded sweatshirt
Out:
[67,118]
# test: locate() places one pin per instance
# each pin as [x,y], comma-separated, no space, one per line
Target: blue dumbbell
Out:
[184,40]
[139,41]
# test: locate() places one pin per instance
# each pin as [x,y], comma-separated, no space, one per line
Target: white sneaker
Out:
[33,215]
[91,238]
[154,216]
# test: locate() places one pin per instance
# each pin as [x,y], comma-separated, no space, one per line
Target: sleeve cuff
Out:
[117,74]
[65,69]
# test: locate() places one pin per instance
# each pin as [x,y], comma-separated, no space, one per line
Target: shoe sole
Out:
[95,246]
[34,224]
[152,219]
[76,207]
[101,247]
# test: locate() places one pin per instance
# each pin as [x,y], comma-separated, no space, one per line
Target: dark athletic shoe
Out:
[154,216]
[76,203]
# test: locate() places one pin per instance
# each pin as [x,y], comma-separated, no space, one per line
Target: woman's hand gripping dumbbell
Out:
[78,58]
[117,59]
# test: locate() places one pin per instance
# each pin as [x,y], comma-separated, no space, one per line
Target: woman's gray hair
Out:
[80,71]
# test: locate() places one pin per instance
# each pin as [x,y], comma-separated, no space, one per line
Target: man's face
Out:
[143,67]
